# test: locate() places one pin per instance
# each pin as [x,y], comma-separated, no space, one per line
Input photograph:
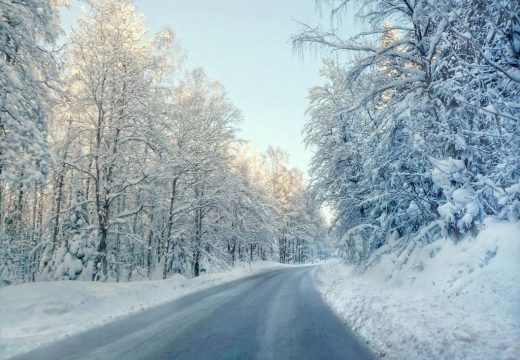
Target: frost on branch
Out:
[416,128]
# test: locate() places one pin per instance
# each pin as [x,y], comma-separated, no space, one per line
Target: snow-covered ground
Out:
[448,301]
[37,313]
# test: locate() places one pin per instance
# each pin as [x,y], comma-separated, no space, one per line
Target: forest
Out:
[416,128]
[146,212]
[115,165]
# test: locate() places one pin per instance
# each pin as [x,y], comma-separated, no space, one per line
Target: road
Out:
[275,315]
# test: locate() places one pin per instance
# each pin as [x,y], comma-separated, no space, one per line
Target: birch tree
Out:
[112,68]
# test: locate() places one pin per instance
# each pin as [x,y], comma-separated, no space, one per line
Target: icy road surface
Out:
[275,315]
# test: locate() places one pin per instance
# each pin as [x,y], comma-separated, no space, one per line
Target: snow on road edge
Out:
[32,315]
[449,301]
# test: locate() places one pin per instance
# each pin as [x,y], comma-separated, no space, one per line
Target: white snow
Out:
[513,189]
[463,196]
[448,301]
[38,313]
[445,171]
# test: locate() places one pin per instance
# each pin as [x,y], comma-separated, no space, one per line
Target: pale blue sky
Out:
[246,45]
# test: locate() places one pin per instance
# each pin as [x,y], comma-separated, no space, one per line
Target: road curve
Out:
[275,315]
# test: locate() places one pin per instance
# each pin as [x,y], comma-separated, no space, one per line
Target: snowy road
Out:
[276,315]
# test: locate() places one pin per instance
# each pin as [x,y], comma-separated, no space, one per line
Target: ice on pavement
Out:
[34,314]
[447,301]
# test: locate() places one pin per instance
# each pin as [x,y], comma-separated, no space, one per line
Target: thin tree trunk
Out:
[87,185]
[120,209]
[198,240]
[149,247]
[233,252]
[58,199]
[168,255]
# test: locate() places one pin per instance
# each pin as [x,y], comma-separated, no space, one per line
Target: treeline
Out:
[417,127]
[113,167]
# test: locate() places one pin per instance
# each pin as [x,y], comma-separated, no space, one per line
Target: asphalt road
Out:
[275,315]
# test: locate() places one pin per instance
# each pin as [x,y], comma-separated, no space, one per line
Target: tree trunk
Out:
[149,248]
[196,264]
[58,199]
[233,252]
[87,185]
[198,242]
[168,255]
[101,257]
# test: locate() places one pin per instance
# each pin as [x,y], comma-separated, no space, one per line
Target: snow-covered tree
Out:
[112,68]
[146,176]
[415,134]
[27,73]
[28,29]
[205,120]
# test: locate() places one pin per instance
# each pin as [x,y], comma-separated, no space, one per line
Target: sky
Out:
[246,45]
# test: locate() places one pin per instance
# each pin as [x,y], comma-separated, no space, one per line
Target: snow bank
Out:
[37,313]
[448,301]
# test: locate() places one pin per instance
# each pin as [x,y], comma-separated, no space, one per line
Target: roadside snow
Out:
[38,313]
[448,301]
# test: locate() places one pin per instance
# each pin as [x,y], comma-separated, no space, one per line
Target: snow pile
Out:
[449,175]
[447,301]
[37,313]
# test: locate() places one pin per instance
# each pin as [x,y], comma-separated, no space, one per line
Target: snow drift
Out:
[444,300]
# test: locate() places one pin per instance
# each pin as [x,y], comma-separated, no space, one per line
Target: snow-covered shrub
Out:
[360,242]
[73,258]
